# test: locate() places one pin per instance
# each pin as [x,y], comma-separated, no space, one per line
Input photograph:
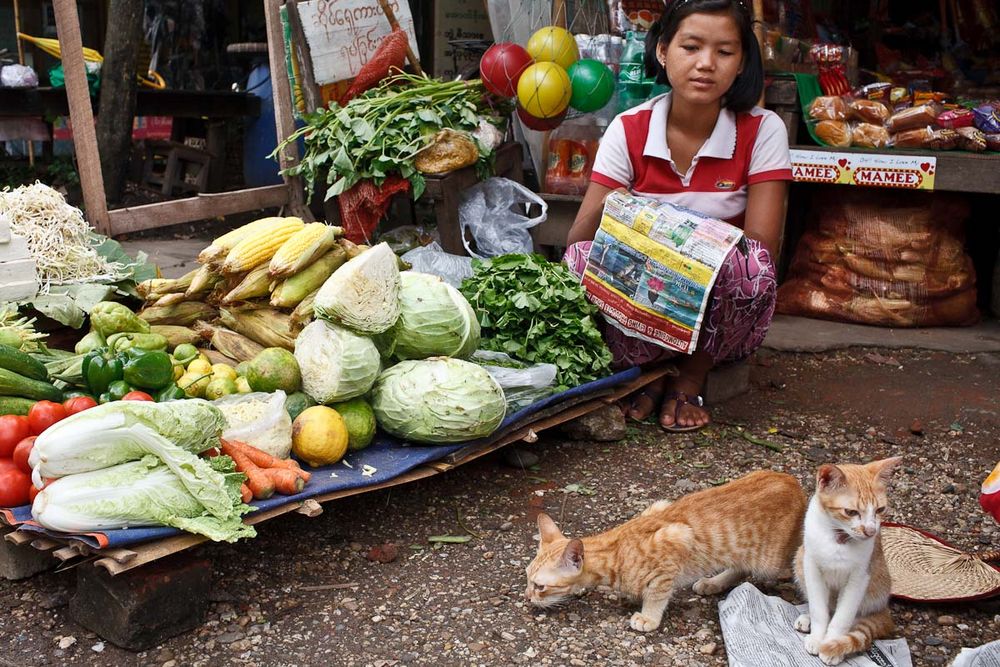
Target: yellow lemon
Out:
[224,372]
[219,387]
[194,384]
[319,436]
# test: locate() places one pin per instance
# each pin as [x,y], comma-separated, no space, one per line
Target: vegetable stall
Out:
[292,367]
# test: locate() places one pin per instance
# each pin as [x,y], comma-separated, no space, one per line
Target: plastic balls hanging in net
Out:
[501,66]
[553,44]
[593,85]
[539,124]
[544,90]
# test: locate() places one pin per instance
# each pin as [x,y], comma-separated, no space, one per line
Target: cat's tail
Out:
[865,631]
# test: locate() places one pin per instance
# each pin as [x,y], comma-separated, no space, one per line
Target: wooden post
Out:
[81,114]
[284,122]
[758,30]
[394,24]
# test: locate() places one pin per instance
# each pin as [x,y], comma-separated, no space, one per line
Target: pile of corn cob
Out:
[256,283]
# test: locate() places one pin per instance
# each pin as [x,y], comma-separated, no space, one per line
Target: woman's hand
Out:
[765,215]
[588,218]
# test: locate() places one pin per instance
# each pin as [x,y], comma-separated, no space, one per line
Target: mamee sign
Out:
[908,172]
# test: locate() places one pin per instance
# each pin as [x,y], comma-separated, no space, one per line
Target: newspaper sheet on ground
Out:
[652,267]
[758,632]
[987,655]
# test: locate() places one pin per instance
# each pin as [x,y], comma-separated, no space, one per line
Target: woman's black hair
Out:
[749,84]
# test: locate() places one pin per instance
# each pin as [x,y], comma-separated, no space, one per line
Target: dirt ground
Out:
[304,592]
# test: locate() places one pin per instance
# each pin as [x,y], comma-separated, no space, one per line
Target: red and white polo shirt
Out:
[744,148]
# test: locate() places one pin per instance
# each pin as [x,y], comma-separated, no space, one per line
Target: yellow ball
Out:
[553,44]
[544,90]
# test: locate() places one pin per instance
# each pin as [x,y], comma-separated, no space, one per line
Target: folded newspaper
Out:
[652,267]
[987,655]
[758,631]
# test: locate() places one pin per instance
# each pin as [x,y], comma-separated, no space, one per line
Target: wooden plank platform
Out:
[119,560]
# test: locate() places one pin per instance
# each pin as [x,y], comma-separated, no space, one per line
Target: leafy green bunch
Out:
[536,311]
[381,131]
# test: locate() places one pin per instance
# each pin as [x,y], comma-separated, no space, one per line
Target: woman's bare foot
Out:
[681,408]
[641,405]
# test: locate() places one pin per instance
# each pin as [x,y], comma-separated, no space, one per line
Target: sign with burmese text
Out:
[882,170]
[343,34]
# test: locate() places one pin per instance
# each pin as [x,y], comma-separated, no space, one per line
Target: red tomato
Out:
[138,396]
[32,492]
[15,485]
[44,414]
[22,452]
[13,429]
[78,404]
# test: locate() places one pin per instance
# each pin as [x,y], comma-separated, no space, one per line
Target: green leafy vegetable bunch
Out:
[536,311]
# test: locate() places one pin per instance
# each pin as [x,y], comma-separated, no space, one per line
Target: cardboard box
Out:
[454,20]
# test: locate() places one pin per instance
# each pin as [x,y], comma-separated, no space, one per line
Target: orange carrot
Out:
[257,480]
[285,481]
[245,494]
[265,460]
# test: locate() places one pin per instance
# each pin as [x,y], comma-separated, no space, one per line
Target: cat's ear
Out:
[572,558]
[830,477]
[547,528]
[883,469]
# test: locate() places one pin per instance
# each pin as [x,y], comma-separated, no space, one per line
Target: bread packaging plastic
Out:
[867,135]
[828,107]
[914,117]
[921,137]
[971,139]
[834,133]
[944,140]
[869,111]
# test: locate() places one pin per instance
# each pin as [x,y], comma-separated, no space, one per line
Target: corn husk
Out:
[229,343]
[293,257]
[266,326]
[180,314]
[154,288]
[170,299]
[303,313]
[254,284]
[204,279]
[352,249]
[176,335]
[221,246]
[217,357]
[289,292]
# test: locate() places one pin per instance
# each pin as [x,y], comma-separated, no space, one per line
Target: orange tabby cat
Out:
[840,563]
[713,538]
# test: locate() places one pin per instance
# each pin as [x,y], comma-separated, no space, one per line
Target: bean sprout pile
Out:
[59,239]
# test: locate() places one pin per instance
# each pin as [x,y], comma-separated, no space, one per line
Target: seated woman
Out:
[705,146]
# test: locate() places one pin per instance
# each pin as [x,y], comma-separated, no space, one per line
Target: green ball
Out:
[593,85]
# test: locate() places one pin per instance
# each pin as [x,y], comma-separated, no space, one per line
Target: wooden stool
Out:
[179,157]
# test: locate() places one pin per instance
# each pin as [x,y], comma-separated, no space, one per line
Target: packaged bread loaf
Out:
[921,137]
[914,117]
[834,133]
[868,135]
[869,111]
[828,107]
[971,139]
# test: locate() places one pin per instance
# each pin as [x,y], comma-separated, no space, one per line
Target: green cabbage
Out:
[363,294]
[140,493]
[435,320]
[122,431]
[336,363]
[438,400]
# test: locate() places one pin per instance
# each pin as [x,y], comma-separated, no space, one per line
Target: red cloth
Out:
[365,204]
[391,53]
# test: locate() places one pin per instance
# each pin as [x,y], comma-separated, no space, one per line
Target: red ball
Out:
[540,124]
[501,66]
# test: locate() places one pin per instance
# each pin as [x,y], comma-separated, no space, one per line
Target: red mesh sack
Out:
[391,53]
[365,204]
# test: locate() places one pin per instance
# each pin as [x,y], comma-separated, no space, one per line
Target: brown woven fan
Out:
[925,568]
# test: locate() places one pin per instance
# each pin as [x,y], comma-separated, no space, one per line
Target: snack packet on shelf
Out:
[956,118]
[921,137]
[971,139]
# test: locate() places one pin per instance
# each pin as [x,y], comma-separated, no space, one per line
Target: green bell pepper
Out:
[120,342]
[170,393]
[100,369]
[118,389]
[104,398]
[148,369]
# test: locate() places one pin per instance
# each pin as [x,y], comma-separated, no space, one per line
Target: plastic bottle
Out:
[633,87]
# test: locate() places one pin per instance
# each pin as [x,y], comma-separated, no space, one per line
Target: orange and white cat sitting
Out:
[713,538]
[841,563]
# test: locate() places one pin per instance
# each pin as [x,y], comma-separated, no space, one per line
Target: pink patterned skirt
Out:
[740,309]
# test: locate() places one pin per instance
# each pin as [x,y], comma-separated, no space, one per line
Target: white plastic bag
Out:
[18,76]
[259,419]
[432,259]
[495,211]
[522,384]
